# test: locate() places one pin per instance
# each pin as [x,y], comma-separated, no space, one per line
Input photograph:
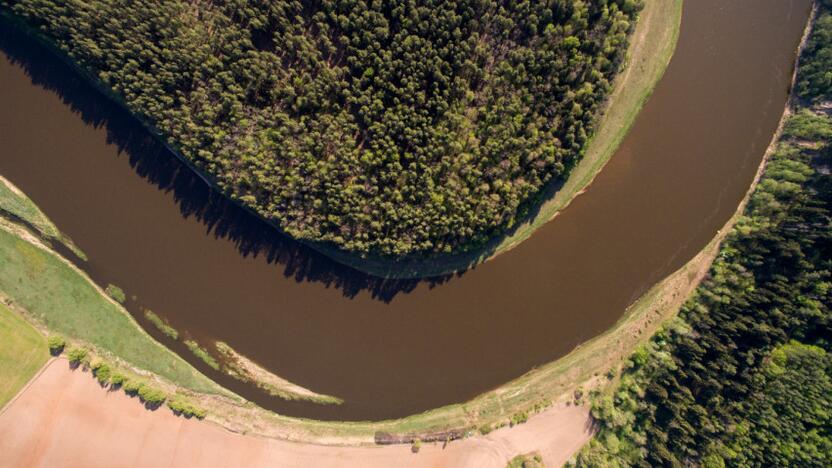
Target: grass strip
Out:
[65,301]
[23,351]
[161,324]
[245,370]
[202,354]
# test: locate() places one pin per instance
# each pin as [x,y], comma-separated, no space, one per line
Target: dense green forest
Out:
[388,127]
[743,376]
[815,79]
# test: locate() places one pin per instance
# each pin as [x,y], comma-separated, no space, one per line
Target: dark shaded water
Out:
[393,348]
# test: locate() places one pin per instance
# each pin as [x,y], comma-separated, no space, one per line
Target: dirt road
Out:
[65,419]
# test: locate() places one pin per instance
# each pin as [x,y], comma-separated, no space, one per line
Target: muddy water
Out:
[395,348]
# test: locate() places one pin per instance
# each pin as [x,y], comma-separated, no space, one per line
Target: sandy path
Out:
[65,419]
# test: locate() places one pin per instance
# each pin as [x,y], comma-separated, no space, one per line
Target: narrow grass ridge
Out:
[13,203]
[245,370]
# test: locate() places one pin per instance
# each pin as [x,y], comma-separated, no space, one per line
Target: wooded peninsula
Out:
[390,128]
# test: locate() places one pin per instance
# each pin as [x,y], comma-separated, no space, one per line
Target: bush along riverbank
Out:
[353,223]
[115,377]
[742,376]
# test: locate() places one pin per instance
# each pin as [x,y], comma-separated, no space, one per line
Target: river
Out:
[393,348]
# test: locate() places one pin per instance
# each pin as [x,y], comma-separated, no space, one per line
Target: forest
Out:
[743,376]
[391,128]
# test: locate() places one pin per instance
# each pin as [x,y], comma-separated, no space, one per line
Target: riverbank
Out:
[554,383]
[56,297]
[64,300]
[245,370]
[651,46]
[582,369]
[64,418]
[14,204]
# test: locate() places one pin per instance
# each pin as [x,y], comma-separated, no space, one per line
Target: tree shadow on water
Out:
[151,160]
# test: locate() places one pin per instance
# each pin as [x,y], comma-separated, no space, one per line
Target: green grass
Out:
[116,293]
[202,354]
[161,324]
[13,202]
[17,204]
[66,302]
[23,352]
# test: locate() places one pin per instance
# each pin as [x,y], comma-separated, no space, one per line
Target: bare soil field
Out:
[65,419]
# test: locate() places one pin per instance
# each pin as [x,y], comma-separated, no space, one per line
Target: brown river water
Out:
[392,348]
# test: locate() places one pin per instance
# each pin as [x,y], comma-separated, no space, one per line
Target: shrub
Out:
[579,395]
[180,405]
[519,418]
[485,429]
[161,324]
[77,355]
[151,396]
[132,387]
[56,344]
[116,293]
[117,379]
[102,373]
[540,406]
[529,460]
